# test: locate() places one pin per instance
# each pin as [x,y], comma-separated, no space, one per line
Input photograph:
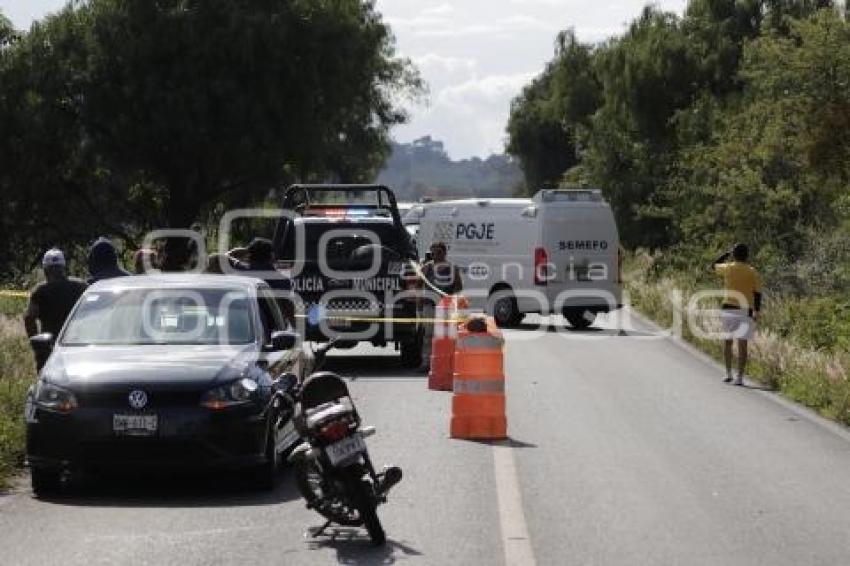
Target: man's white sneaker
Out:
[739,380]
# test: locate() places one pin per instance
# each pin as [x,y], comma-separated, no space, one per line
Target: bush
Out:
[17,371]
[12,305]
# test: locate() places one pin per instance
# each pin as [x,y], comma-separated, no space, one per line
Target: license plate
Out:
[345,449]
[135,425]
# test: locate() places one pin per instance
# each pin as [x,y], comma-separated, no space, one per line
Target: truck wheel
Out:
[411,353]
[579,318]
[46,482]
[503,308]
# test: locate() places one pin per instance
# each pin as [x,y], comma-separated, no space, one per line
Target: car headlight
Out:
[54,398]
[239,392]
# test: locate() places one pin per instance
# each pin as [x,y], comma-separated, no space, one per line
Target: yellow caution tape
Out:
[409,320]
[10,293]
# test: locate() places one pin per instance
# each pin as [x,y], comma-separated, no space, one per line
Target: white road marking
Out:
[515,540]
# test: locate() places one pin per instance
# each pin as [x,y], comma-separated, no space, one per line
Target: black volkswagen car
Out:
[171,371]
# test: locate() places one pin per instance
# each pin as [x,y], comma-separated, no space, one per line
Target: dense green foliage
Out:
[119,115]
[729,123]
[424,169]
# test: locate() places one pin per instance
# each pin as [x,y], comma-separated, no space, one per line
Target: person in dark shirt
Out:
[260,259]
[51,302]
[440,273]
[103,262]
[441,278]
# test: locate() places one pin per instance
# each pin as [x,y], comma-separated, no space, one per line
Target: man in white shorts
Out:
[741,306]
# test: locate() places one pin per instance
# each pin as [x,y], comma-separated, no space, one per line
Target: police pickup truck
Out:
[348,256]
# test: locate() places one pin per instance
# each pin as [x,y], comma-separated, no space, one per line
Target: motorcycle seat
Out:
[324,413]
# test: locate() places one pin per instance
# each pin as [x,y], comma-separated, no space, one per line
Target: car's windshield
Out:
[156,316]
[337,241]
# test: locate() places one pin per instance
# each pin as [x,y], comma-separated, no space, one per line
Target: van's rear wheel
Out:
[579,318]
[504,309]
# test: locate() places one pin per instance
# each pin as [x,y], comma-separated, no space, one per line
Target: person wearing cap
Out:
[51,301]
[441,278]
[103,261]
[144,261]
[741,305]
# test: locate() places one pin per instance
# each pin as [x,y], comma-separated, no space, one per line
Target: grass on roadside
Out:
[17,372]
[816,377]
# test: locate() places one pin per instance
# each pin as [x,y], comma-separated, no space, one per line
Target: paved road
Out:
[624,450]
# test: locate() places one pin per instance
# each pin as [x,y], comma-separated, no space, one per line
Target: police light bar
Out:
[338,212]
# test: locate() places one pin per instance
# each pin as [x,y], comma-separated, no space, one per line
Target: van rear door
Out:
[582,243]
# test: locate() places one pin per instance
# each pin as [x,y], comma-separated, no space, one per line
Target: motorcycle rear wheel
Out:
[335,507]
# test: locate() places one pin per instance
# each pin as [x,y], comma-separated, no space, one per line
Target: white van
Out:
[558,252]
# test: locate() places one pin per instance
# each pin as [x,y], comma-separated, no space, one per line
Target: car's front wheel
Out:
[46,482]
[265,474]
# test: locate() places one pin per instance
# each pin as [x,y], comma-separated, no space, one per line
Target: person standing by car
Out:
[103,261]
[741,305]
[51,301]
[441,278]
[260,259]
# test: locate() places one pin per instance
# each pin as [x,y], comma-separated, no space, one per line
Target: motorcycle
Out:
[333,470]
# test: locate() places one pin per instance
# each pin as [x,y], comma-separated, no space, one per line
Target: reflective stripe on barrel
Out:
[480,341]
[478,386]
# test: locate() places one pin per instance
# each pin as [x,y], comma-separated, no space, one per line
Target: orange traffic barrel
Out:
[441,372]
[478,404]
[450,310]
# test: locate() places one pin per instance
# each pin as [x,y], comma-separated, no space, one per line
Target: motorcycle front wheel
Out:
[369,512]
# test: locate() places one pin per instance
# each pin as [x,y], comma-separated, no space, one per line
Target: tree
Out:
[548,119]
[776,167]
[228,98]
[121,115]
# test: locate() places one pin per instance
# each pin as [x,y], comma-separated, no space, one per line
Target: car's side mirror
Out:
[282,340]
[42,342]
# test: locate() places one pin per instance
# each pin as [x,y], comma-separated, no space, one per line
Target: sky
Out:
[475,55]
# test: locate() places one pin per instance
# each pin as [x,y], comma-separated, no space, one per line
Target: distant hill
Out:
[423,168]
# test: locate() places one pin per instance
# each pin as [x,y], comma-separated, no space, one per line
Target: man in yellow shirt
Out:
[741,305]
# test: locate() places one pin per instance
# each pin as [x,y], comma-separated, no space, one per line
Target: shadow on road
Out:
[180,491]
[568,330]
[756,387]
[358,366]
[509,442]
[353,546]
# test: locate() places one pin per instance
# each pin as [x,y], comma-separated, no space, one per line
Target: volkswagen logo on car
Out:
[138,399]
